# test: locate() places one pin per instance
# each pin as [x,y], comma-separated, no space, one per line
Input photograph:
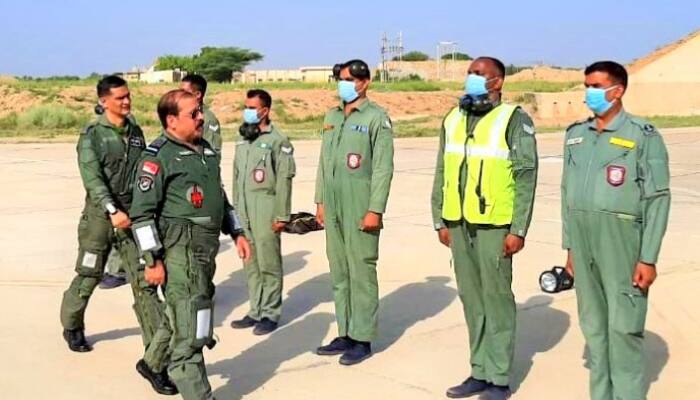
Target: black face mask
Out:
[476,104]
[250,132]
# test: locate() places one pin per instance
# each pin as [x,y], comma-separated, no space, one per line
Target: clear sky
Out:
[42,37]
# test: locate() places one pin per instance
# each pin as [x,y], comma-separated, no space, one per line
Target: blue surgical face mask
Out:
[596,101]
[250,116]
[476,85]
[347,92]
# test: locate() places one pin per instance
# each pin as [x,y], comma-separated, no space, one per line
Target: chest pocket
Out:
[617,188]
[261,169]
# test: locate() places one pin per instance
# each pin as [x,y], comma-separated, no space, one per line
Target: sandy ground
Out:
[422,348]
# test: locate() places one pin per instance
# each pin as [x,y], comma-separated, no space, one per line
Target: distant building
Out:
[303,74]
[150,75]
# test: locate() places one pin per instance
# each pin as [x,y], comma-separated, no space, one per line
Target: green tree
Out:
[458,56]
[169,61]
[413,56]
[218,63]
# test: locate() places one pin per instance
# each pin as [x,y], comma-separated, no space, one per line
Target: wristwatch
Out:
[111,209]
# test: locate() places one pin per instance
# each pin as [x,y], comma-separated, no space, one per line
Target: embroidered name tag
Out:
[575,140]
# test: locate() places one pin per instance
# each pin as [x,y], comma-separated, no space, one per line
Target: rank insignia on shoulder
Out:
[628,144]
[649,128]
[155,146]
[287,150]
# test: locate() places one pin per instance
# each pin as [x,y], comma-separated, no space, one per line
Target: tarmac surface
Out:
[423,346]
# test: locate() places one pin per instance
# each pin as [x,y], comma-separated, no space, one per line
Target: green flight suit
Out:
[262,186]
[178,211]
[107,160]
[483,274]
[615,201]
[354,176]
[212,130]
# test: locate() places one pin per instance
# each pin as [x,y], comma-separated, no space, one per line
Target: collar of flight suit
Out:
[190,146]
[360,107]
[102,120]
[614,125]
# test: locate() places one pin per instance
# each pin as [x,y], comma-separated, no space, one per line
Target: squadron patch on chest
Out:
[195,196]
[259,175]
[616,175]
[354,160]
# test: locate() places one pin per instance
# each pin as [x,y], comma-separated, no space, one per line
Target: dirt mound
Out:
[545,73]
[314,102]
[15,100]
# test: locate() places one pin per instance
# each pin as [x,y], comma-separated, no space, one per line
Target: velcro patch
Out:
[150,167]
[575,140]
[136,141]
[628,144]
[287,150]
[89,260]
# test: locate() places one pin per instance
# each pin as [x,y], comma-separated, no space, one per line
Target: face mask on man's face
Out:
[250,116]
[347,92]
[597,101]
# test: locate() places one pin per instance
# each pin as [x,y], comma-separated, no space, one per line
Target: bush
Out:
[50,117]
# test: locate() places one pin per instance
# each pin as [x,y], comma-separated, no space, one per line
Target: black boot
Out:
[359,352]
[160,381]
[339,345]
[76,340]
[245,322]
[468,388]
[264,327]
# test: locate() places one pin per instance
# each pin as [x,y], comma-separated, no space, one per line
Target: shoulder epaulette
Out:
[644,125]
[155,146]
[579,122]
[89,127]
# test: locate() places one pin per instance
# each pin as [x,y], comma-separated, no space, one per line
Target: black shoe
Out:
[495,392]
[160,381]
[359,352]
[468,388]
[337,346]
[112,281]
[76,340]
[246,322]
[265,326]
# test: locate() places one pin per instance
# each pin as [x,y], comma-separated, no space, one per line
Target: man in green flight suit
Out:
[615,201]
[108,154]
[263,169]
[197,85]
[178,212]
[352,188]
[482,201]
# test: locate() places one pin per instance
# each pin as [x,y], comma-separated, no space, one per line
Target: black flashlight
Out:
[556,280]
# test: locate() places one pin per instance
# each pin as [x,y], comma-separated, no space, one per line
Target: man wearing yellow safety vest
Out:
[482,200]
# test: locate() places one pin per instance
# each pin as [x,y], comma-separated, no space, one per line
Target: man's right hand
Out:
[120,220]
[155,275]
[320,217]
[569,264]
[444,236]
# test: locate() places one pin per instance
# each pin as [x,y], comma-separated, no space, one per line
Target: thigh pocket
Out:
[202,329]
[90,263]
[631,311]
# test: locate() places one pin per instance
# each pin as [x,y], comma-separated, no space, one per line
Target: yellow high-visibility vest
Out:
[490,192]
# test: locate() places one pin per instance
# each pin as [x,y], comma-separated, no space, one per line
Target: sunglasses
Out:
[195,112]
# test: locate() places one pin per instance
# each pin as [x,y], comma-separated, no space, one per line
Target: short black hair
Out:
[616,71]
[263,95]
[106,84]
[500,67]
[358,69]
[169,104]
[198,81]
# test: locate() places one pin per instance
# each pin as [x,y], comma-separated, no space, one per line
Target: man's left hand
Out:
[644,276]
[512,244]
[371,222]
[278,226]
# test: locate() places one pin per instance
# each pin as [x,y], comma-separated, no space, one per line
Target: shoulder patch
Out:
[529,129]
[287,149]
[579,122]
[645,126]
[156,145]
